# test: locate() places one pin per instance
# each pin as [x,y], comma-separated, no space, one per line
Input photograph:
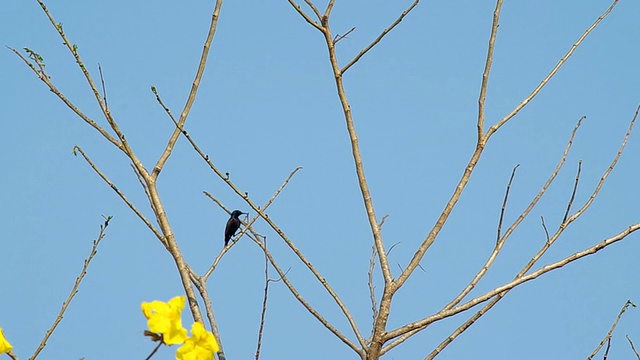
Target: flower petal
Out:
[200,346]
[5,347]
[164,318]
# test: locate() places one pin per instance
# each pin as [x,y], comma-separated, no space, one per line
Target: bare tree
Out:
[381,338]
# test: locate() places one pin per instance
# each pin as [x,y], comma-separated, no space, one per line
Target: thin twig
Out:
[119,193]
[606,174]
[76,285]
[104,89]
[606,352]
[144,186]
[372,287]
[263,313]
[155,349]
[607,338]
[487,69]
[377,40]
[633,347]
[314,8]
[504,203]
[573,193]
[392,247]
[339,37]
[546,231]
[155,92]
[305,16]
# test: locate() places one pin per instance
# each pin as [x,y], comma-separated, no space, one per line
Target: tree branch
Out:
[475,157]
[305,16]
[607,338]
[537,256]
[487,69]
[45,78]
[311,309]
[510,285]
[263,313]
[633,348]
[74,289]
[246,225]
[314,8]
[192,94]
[120,194]
[377,40]
[555,69]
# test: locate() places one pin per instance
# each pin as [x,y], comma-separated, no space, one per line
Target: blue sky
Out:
[267,104]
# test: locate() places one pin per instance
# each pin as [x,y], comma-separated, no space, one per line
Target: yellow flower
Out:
[5,347]
[200,346]
[164,318]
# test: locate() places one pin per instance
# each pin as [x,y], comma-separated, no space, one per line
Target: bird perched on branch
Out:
[232,226]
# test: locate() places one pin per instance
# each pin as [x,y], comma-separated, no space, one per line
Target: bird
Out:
[232,226]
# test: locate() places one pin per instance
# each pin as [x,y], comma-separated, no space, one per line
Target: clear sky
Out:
[267,104]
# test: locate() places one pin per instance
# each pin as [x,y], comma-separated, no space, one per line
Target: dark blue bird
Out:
[232,226]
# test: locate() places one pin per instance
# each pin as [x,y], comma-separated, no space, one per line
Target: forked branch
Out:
[406,331]
[78,149]
[192,94]
[607,338]
[508,286]
[305,16]
[377,40]
[224,177]
[283,276]
[38,68]
[206,276]
[502,238]
[475,157]
[148,181]
[553,71]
